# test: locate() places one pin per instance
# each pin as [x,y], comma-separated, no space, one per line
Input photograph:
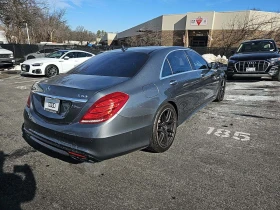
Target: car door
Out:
[68,61]
[209,77]
[182,83]
[82,57]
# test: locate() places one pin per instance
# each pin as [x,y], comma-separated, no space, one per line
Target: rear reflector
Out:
[77,155]
[105,108]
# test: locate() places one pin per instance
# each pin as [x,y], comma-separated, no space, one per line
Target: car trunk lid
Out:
[60,99]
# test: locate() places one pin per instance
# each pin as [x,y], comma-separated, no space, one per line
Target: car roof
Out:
[148,49]
[74,51]
[256,40]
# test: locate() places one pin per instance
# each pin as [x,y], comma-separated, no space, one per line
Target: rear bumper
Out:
[95,149]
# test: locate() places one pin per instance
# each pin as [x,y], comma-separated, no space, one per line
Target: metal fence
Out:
[21,50]
[214,50]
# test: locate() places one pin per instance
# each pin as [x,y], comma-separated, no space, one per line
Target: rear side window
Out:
[166,70]
[198,61]
[71,55]
[179,62]
[117,64]
[83,55]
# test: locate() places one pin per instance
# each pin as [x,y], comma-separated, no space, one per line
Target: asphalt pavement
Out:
[227,156]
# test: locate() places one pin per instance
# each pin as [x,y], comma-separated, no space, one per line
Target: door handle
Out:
[173,82]
[203,74]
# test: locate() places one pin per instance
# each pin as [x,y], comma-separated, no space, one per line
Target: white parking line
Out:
[32,81]
[25,81]
[22,87]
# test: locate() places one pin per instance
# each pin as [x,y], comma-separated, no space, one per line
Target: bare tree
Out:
[132,41]
[54,22]
[43,24]
[146,37]
[100,33]
[82,35]
[15,14]
[250,27]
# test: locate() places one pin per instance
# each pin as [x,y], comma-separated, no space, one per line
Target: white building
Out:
[3,39]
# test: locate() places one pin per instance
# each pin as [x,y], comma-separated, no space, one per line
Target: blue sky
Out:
[119,15]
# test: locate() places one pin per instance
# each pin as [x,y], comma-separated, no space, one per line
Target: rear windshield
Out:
[116,64]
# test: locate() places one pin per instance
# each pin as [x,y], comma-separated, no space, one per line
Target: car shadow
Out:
[248,79]
[17,187]
[32,76]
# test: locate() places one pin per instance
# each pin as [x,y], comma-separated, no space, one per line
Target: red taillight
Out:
[28,102]
[74,154]
[105,108]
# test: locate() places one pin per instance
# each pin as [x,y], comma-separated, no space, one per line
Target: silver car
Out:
[40,54]
[120,101]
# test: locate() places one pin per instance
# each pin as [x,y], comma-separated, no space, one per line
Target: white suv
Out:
[6,58]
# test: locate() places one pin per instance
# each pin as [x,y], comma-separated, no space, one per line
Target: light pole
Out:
[27,33]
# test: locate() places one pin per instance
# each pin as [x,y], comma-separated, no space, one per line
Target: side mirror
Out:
[38,52]
[66,58]
[214,65]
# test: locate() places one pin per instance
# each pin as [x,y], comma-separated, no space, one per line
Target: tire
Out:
[230,77]
[30,57]
[164,129]
[51,71]
[221,91]
[277,77]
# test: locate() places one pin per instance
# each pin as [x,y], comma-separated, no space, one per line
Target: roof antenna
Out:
[123,48]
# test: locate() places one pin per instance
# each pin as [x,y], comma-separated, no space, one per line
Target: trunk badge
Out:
[82,96]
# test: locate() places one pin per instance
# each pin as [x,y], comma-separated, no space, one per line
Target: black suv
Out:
[255,58]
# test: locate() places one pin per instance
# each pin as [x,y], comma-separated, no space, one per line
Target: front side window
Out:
[116,64]
[179,62]
[83,55]
[198,61]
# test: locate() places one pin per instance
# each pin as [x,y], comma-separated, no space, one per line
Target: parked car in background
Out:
[120,101]
[7,59]
[255,58]
[55,63]
[41,53]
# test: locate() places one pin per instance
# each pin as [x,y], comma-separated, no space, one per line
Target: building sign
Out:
[200,21]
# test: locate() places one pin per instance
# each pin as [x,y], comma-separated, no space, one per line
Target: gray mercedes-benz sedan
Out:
[120,101]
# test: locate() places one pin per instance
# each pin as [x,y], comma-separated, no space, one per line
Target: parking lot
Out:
[227,156]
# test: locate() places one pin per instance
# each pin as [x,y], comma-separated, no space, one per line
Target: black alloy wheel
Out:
[277,77]
[230,77]
[164,129]
[51,70]
[221,92]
